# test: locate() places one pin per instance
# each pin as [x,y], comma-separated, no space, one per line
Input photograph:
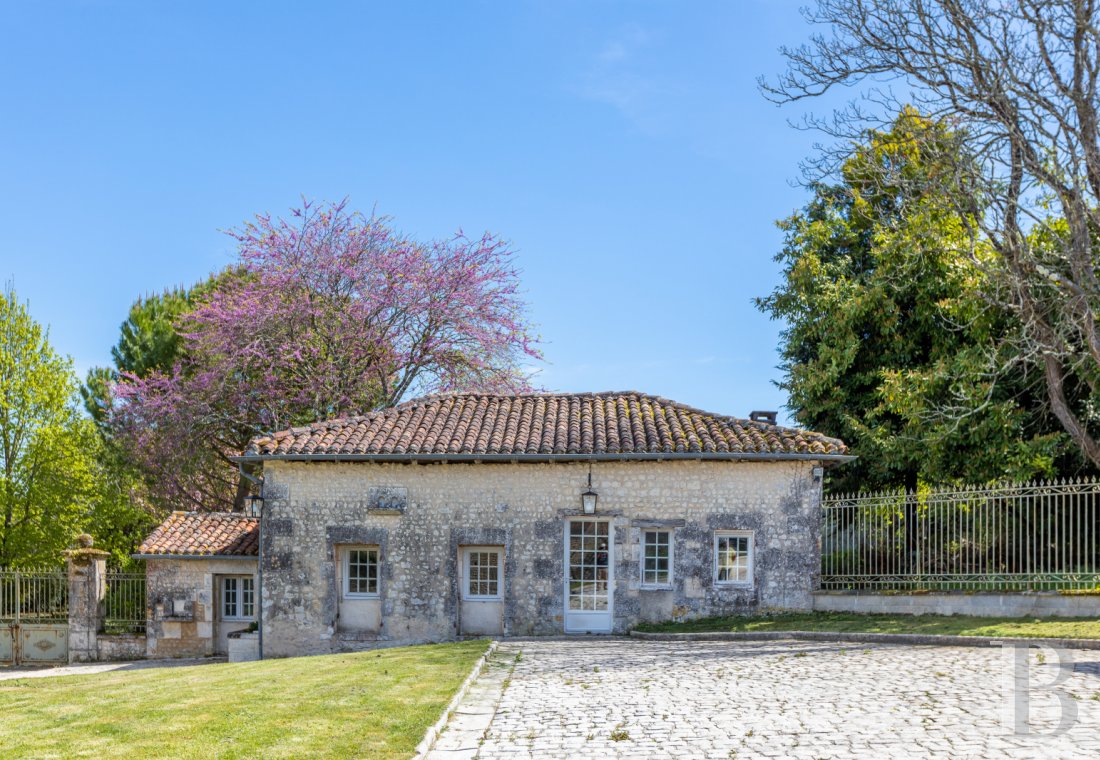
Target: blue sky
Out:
[622,147]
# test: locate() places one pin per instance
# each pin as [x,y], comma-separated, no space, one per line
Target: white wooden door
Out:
[236,597]
[589,576]
[482,591]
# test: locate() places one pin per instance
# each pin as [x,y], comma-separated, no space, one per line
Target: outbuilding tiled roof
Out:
[550,425]
[204,534]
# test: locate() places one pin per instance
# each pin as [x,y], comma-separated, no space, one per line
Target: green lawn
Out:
[955,625]
[370,704]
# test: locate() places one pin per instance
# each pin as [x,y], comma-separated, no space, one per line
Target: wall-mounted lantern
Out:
[588,498]
[255,504]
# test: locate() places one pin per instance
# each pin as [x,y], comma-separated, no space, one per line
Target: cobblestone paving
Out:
[626,698]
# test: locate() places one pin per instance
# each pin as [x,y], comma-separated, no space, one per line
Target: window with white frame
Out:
[733,557]
[657,558]
[238,597]
[482,573]
[361,571]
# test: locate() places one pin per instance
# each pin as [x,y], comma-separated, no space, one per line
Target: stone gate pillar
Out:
[87,588]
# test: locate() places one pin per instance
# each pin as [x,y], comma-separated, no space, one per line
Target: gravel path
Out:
[91,668]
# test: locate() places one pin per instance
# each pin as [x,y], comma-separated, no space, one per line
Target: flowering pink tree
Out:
[334,313]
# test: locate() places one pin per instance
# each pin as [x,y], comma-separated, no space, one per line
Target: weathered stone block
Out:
[387,499]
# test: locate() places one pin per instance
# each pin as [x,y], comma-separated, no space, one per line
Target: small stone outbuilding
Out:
[201,582]
[533,514]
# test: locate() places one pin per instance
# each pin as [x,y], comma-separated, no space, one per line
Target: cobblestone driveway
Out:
[627,698]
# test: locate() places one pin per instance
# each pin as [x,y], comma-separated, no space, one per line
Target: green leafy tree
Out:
[148,342]
[890,343]
[122,514]
[58,477]
[1021,80]
[47,478]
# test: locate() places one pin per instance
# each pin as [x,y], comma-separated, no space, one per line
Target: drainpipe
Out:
[259,561]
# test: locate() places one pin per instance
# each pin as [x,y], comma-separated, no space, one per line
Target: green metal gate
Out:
[34,617]
[1040,536]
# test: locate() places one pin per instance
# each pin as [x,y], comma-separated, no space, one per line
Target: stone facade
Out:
[420,515]
[182,602]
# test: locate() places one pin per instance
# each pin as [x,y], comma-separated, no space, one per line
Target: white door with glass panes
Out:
[482,591]
[359,579]
[589,576]
[236,597]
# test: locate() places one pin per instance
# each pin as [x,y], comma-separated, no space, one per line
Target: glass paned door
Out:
[589,576]
[236,607]
[482,591]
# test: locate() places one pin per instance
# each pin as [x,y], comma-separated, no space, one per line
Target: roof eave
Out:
[640,456]
[194,556]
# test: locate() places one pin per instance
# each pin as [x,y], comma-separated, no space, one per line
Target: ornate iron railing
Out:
[124,606]
[1026,537]
[34,595]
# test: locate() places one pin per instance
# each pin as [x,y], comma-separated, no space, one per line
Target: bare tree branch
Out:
[1018,78]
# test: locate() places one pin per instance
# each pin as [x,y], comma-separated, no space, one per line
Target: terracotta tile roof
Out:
[542,425]
[204,534]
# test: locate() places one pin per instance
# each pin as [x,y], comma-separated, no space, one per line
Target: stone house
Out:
[471,514]
[200,579]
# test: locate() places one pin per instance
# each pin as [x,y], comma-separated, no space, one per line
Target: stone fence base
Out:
[1023,604]
[115,648]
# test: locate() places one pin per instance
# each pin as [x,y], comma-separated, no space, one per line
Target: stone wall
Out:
[420,514]
[181,598]
[121,647]
[1032,604]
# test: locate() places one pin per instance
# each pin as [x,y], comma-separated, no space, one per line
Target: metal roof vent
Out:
[768,417]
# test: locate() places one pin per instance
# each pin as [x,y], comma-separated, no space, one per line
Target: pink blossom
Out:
[331,313]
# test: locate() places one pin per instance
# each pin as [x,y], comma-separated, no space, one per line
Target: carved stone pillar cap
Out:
[85,555]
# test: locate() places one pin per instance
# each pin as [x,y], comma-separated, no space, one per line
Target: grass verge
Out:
[369,704]
[954,625]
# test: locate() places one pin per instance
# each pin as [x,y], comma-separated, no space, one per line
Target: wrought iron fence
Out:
[34,595]
[1028,537]
[124,606]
